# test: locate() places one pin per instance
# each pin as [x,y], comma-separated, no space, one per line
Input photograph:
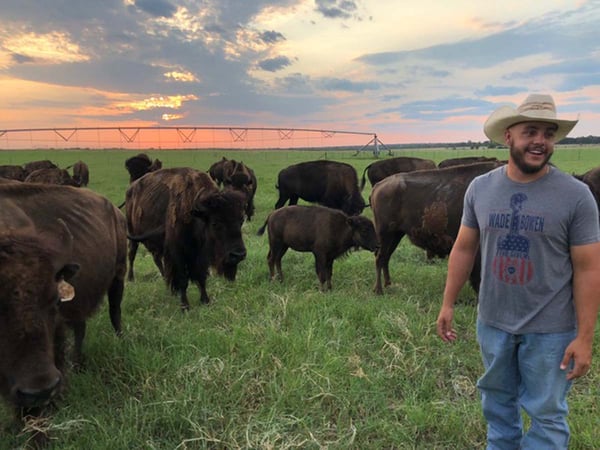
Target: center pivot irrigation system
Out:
[187,137]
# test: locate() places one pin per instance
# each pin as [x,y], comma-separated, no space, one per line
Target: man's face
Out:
[531,145]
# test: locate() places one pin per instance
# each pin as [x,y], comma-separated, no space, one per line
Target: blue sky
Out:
[427,71]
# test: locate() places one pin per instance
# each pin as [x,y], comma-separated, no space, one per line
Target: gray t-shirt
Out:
[526,230]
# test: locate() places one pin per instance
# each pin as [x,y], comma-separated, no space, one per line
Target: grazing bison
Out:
[139,165]
[51,176]
[81,173]
[11,172]
[51,235]
[188,225]
[35,165]
[464,160]
[379,170]
[238,176]
[329,183]
[327,233]
[427,206]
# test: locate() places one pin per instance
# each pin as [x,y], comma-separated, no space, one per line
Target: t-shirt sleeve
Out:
[585,227]
[469,219]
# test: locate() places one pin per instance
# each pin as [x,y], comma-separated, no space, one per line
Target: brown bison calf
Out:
[327,233]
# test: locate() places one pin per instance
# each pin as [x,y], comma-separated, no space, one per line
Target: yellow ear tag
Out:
[65,291]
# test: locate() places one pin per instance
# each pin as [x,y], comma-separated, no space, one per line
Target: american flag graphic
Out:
[511,263]
[513,270]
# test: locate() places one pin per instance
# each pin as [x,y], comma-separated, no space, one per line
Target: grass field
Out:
[282,365]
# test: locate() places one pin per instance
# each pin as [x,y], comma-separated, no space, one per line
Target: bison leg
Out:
[389,242]
[79,333]
[274,259]
[329,273]
[250,209]
[133,248]
[321,266]
[157,257]
[115,296]
[281,200]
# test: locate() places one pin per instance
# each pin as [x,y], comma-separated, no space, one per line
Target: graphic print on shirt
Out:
[512,263]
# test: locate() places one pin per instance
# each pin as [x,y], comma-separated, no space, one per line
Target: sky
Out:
[410,71]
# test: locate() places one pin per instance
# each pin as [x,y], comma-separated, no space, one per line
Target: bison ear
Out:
[67,272]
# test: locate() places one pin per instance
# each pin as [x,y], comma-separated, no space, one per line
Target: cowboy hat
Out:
[535,108]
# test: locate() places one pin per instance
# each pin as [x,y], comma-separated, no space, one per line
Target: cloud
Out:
[336,9]
[340,84]
[491,91]
[439,109]
[271,37]
[157,8]
[274,64]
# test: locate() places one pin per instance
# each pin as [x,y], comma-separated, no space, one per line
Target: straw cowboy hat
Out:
[535,108]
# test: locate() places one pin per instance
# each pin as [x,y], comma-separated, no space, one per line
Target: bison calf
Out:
[327,233]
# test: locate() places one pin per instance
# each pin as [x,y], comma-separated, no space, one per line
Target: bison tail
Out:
[261,230]
[363,181]
[148,235]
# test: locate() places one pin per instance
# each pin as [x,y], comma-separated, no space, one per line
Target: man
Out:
[538,231]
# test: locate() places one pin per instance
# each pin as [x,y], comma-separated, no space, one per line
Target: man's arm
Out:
[460,264]
[586,296]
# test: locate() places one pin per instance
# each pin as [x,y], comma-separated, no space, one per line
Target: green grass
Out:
[282,365]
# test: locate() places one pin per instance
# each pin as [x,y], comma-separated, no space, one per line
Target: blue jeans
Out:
[523,371]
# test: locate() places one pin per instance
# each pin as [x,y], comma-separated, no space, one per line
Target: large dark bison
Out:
[326,233]
[379,170]
[51,176]
[13,172]
[81,173]
[464,160]
[329,183]
[426,206]
[55,242]
[188,225]
[141,164]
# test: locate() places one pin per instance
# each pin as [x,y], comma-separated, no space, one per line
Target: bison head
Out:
[363,233]
[33,270]
[353,204]
[222,216]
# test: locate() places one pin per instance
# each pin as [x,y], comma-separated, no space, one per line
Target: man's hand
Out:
[444,325]
[580,352]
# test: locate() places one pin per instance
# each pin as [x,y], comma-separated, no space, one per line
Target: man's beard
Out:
[519,160]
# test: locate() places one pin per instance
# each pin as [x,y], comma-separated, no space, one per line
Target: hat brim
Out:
[505,117]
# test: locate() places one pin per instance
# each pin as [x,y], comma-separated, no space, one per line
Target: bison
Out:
[592,179]
[36,165]
[427,206]
[51,176]
[81,173]
[327,233]
[141,164]
[329,183]
[56,242]
[464,160]
[12,172]
[238,176]
[188,225]
[216,170]
[379,170]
